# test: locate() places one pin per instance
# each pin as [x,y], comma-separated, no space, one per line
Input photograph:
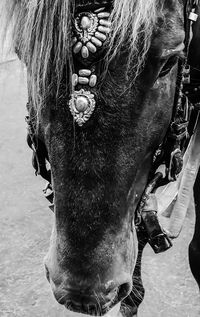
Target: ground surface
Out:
[25,226]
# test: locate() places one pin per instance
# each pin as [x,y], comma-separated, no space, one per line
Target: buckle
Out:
[186,74]
[148,227]
[151,231]
[175,165]
[193,16]
[160,243]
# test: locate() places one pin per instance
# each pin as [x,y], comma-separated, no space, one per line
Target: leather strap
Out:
[187,179]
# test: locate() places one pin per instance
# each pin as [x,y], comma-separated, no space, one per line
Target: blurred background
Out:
[25,225]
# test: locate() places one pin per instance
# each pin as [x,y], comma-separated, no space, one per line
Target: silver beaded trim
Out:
[84,77]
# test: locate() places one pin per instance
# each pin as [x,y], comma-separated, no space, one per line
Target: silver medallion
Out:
[82,105]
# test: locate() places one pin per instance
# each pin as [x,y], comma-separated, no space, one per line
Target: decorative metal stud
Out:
[91,47]
[93,81]
[83,80]
[103,29]
[84,52]
[84,72]
[99,10]
[82,105]
[96,42]
[105,23]
[74,80]
[77,47]
[193,16]
[86,23]
[103,15]
[100,36]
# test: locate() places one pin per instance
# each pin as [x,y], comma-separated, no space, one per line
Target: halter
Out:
[90,31]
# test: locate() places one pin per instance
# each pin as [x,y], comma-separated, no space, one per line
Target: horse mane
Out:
[42,33]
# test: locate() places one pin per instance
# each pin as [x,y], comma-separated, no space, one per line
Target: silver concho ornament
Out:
[82,105]
[90,31]
[86,24]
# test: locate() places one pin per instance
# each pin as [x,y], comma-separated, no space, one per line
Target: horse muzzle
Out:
[91,301]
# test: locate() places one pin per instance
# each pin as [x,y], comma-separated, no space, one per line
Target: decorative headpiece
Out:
[90,32]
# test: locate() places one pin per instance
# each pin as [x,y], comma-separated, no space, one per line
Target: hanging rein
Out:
[171,151]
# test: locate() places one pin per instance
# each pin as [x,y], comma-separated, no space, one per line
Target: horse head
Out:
[101,103]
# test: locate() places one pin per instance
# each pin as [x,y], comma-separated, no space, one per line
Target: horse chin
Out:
[114,312]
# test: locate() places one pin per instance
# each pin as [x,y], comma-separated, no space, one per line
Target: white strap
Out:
[189,174]
[174,198]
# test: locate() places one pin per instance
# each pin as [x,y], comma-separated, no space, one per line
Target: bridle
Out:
[170,152]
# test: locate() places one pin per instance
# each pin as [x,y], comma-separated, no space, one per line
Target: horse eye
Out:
[168,66]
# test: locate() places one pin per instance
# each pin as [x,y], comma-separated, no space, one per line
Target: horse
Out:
[105,82]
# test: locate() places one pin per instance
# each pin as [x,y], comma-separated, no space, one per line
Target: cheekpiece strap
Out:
[177,137]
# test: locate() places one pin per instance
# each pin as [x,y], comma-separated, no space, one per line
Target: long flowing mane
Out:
[42,33]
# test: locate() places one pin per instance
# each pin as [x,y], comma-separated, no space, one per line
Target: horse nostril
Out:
[82,305]
[112,294]
[75,306]
[118,293]
[47,273]
[92,309]
[124,291]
